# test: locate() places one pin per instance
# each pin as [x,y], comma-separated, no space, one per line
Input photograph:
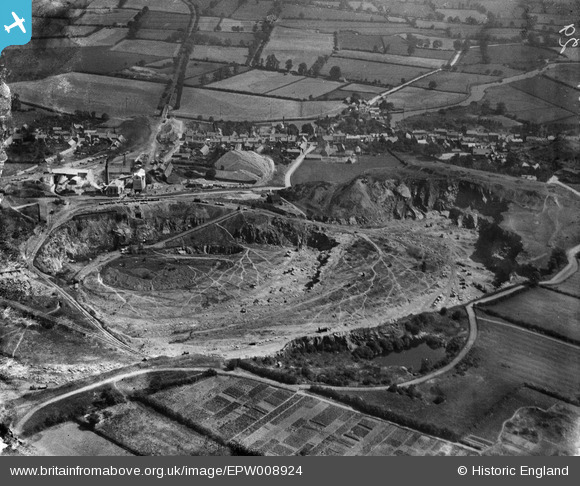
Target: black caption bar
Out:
[354,471]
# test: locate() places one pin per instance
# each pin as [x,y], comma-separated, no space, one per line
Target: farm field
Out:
[102,60]
[224,38]
[351,40]
[466,30]
[106,18]
[77,30]
[463,14]
[366,6]
[208,23]
[524,106]
[300,11]
[360,70]
[78,91]
[366,92]
[68,439]
[488,69]
[166,20]
[368,28]
[103,37]
[411,98]
[224,8]
[149,433]
[363,88]
[155,34]
[531,357]
[544,309]
[570,285]
[506,32]
[313,170]
[279,422]
[398,45]
[98,60]
[154,48]
[549,91]
[520,57]
[446,42]
[307,88]
[453,81]
[195,69]
[300,46]
[228,24]
[175,6]
[565,73]
[220,54]
[257,81]
[409,9]
[393,59]
[219,104]
[255,10]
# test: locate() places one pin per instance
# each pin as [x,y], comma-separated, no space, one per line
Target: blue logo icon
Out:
[15,22]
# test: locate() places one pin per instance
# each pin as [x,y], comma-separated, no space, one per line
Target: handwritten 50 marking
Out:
[568,31]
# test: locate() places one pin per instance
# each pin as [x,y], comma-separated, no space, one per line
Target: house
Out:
[482,151]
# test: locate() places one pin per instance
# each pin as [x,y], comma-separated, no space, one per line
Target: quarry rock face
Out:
[280,232]
[374,200]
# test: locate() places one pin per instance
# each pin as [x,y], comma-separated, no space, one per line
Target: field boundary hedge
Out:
[250,93]
[264,372]
[360,405]
[553,394]
[559,291]
[532,327]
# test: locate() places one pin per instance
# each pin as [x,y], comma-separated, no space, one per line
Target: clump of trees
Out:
[137,22]
[335,73]
[413,422]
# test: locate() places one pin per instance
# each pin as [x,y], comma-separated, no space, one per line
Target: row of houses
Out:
[76,138]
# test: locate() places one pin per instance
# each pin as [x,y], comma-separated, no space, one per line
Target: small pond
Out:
[411,358]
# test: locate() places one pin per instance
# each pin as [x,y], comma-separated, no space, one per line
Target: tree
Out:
[335,73]
[105,117]
[210,174]
[483,48]
[411,49]
[302,68]
[500,108]
[272,63]
[288,65]
[512,159]
[16,104]
[292,129]
[308,129]
[432,84]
